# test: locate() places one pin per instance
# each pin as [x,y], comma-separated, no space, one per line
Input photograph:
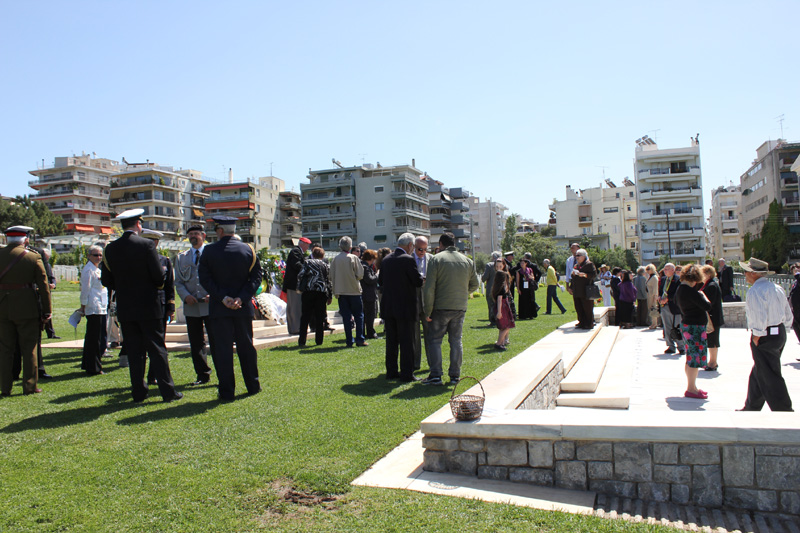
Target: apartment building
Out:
[450,211]
[608,210]
[670,202]
[490,225]
[770,177]
[290,219]
[255,203]
[724,238]
[77,189]
[369,203]
[172,199]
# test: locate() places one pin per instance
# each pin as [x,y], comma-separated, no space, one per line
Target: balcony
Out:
[408,211]
[731,246]
[329,184]
[416,230]
[791,219]
[460,233]
[664,235]
[130,184]
[670,194]
[228,198]
[286,206]
[789,183]
[459,219]
[439,217]
[459,206]
[667,174]
[331,199]
[350,231]
[791,201]
[102,181]
[421,197]
[239,213]
[344,215]
[399,178]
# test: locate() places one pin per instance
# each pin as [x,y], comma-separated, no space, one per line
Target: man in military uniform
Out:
[51,281]
[231,272]
[22,313]
[166,296]
[195,302]
[131,268]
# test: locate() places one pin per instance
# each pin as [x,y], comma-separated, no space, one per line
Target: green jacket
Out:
[451,279]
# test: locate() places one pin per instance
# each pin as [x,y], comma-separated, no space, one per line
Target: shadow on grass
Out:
[488,348]
[422,391]
[175,410]
[80,415]
[54,357]
[374,386]
[69,398]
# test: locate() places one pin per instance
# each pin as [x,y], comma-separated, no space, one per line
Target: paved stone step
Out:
[570,341]
[587,371]
[692,518]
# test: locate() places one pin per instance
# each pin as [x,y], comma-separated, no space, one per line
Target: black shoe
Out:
[393,376]
[225,398]
[45,375]
[409,379]
[670,350]
[564,311]
[5,394]
[178,396]
[152,382]
[114,345]
[54,337]
[328,328]
[362,344]
[252,392]
[454,381]
[198,382]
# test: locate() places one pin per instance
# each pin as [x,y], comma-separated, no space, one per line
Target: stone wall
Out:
[734,315]
[740,476]
[545,394]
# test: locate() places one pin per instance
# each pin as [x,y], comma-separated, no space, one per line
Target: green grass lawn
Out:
[82,456]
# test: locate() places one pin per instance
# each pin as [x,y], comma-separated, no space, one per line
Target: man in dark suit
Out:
[231,273]
[399,278]
[22,313]
[166,296]
[132,269]
[725,280]
[294,304]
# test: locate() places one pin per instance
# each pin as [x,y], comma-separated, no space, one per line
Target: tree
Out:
[774,243]
[28,213]
[548,231]
[510,233]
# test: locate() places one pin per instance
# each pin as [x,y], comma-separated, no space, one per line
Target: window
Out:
[258,192]
[616,195]
[381,222]
[378,206]
[258,224]
[633,245]
[380,239]
[379,188]
[610,209]
[631,194]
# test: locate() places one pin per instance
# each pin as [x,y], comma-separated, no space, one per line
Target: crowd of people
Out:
[128,294]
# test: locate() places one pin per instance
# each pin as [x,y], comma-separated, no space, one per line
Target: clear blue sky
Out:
[511,100]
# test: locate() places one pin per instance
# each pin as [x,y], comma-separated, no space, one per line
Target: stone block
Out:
[535,476]
[755,500]
[540,453]
[462,462]
[434,461]
[438,443]
[601,470]
[790,502]
[779,473]
[665,454]
[571,475]
[672,473]
[633,461]
[699,454]
[769,450]
[595,451]
[680,494]
[790,450]
[564,450]
[507,452]
[482,458]
[472,445]
[707,485]
[654,492]
[738,466]
[493,472]
[623,489]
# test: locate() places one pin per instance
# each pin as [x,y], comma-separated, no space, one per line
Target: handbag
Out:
[593,292]
[710,324]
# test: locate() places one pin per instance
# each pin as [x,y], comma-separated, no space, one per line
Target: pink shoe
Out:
[699,395]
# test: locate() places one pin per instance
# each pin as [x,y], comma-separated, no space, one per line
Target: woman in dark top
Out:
[369,292]
[693,305]
[583,274]
[526,308]
[625,300]
[794,299]
[714,294]
[314,283]
[501,293]
[615,281]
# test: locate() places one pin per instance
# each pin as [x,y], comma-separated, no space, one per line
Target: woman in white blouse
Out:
[94,305]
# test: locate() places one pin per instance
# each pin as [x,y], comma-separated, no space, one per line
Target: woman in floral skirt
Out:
[694,307]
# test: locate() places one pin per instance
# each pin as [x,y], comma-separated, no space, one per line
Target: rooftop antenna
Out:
[604,171]
[363,157]
[270,168]
[655,132]
[779,118]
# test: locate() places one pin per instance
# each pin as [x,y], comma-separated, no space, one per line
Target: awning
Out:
[106,231]
[197,213]
[83,227]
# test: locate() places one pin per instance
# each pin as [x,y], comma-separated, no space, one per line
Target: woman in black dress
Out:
[526,309]
[583,274]
[713,292]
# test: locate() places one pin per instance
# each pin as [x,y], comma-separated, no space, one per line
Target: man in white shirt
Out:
[421,256]
[574,247]
[768,316]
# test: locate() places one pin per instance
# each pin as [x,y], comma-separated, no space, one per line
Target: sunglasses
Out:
[422,249]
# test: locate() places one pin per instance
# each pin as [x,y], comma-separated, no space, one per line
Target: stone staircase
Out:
[692,518]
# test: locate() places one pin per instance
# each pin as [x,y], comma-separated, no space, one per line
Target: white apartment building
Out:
[172,199]
[369,203]
[724,238]
[77,189]
[450,211]
[490,225]
[600,211]
[670,197]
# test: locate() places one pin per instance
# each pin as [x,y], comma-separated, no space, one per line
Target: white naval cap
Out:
[130,213]
[151,234]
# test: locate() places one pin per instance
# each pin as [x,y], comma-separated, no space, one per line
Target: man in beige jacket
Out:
[346,271]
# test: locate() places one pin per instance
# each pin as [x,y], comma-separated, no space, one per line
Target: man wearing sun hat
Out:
[132,269]
[768,317]
[294,304]
[21,317]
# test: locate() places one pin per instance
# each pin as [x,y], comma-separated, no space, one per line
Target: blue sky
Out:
[511,100]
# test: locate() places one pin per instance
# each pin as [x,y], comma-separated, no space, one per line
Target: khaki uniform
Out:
[20,315]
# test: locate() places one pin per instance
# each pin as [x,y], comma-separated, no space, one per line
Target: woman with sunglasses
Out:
[94,302]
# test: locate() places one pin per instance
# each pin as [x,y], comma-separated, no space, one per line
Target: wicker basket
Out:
[467,406]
